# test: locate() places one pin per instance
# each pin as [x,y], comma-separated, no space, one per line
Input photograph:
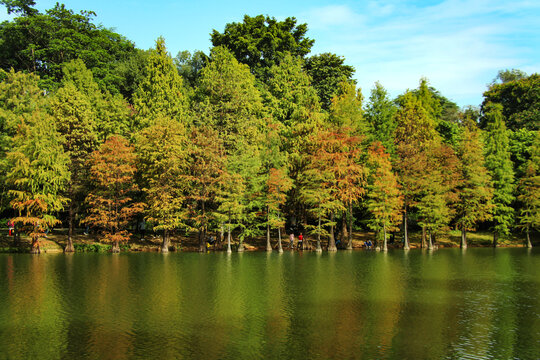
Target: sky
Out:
[459,46]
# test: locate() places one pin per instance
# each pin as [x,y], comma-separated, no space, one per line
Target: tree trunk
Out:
[430,244]
[229,236]
[116,247]
[165,243]
[529,244]
[332,240]
[463,244]
[268,244]
[385,246]
[222,234]
[495,239]
[319,249]
[280,247]
[344,234]
[202,242]
[69,246]
[423,244]
[35,246]
[405,233]
[349,243]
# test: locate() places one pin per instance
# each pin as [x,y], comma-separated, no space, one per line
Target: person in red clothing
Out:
[11,226]
[300,241]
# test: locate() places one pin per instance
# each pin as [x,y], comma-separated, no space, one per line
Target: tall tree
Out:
[37,176]
[294,103]
[278,184]
[336,170]
[261,41]
[111,201]
[76,121]
[384,199]
[501,170]
[379,114]
[161,92]
[20,97]
[327,71]
[206,174]
[347,119]
[475,191]
[529,193]
[415,129]
[230,104]
[164,168]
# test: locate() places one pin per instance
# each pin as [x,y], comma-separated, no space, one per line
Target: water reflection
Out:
[444,304]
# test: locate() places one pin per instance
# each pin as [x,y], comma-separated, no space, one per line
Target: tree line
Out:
[256,137]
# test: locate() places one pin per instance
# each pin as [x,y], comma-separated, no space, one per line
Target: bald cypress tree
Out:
[499,165]
[161,92]
[38,173]
[475,191]
[529,192]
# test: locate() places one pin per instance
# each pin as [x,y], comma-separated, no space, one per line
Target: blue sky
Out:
[458,45]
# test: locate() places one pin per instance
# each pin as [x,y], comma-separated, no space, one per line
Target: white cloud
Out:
[458,45]
[332,15]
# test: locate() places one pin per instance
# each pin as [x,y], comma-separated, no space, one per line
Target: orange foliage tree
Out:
[111,204]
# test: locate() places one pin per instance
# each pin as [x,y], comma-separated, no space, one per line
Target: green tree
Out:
[262,42]
[384,199]
[164,168]
[294,103]
[20,97]
[190,65]
[161,92]
[207,171]
[529,192]
[23,7]
[379,114]
[112,113]
[415,130]
[500,167]
[41,43]
[327,72]
[230,104]
[76,122]
[520,100]
[111,201]
[475,191]
[38,172]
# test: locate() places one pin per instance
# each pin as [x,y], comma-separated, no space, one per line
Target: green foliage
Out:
[262,42]
[327,72]
[98,248]
[190,65]
[384,199]
[20,97]
[161,93]
[529,190]
[41,43]
[229,102]
[500,167]
[23,7]
[520,100]
[380,117]
[346,109]
[475,190]
[38,173]
[163,164]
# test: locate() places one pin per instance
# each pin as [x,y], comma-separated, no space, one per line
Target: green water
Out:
[480,304]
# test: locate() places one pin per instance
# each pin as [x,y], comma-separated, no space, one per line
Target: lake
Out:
[481,303]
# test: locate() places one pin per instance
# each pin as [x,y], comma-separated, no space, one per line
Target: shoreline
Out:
[56,242]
